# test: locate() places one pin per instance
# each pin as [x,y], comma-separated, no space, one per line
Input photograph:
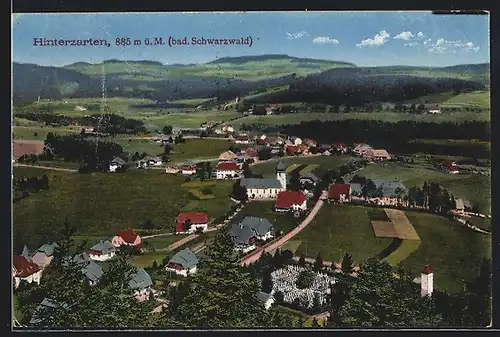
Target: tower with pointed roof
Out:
[281,174]
[427,281]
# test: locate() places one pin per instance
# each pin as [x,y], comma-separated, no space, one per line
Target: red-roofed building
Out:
[188,170]
[252,154]
[290,200]
[303,148]
[127,237]
[339,192]
[427,281]
[196,219]
[292,149]
[450,167]
[23,269]
[427,269]
[340,147]
[227,170]
[242,140]
[434,109]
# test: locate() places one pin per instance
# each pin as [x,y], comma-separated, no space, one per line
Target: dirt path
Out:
[45,167]
[273,245]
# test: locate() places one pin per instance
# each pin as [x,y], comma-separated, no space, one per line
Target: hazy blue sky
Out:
[364,38]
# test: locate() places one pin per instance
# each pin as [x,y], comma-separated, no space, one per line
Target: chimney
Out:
[427,281]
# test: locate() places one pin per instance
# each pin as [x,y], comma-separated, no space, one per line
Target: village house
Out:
[141,284]
[326,153]
[127,237]
[44,255]
[228,128]
[459,206]
[362,148]
[227,156]
[251,229]
[258,188]
[183,263]
[433,109]
[450,167]
[194,219]
[376,155]
[242,140]
[340,147]
[292,150]
[271,110]
[266,299]
[149,161]
[251,154]
[102,251]
[304,149]
[291,201]
[90,269]
[46,303]
[24,269]
[339,192]
[295,140]
[188,170]
[115,164]
[393,193]
[227,170]
[172,170]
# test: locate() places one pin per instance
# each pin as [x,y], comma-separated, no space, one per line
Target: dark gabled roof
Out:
[250,226]
[140,280]
[118,160]
[45,303]
[260,183]
[26,252]
[48,249]
[105,247]
[263,297]
[186,258]
[281,166]
[92,270]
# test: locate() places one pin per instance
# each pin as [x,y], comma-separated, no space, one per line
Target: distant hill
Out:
[280,57]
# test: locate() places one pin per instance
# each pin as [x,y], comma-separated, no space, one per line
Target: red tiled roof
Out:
[241,138]
[336,190]
[251,153]
[188,168]
[24,267]
[227,166]
[286,199]
[197,218]
[292,148]
[128,235]
[427,269]
[303,147]
[339,145]
[309,141]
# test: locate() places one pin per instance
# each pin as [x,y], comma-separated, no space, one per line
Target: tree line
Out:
[23,187]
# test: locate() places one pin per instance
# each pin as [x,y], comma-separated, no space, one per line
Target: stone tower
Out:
[427,281]
[281,174]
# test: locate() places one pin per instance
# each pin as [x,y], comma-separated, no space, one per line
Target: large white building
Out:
[258,188]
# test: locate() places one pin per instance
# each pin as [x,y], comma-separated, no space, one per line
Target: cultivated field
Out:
[324,163]
[394,117]
[402,225]
[473,187]
[103,203]
[40,132]
[476,99]
[199,149]
[26,147]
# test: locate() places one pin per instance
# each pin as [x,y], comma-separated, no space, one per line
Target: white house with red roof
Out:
[434,109]
[339,192]
[242,140]
[227,170]
[24,269]
[292,149]
[127,237]
[188,170]
[194,219]
[291,201]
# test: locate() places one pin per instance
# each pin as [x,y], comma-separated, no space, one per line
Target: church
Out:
[258,188]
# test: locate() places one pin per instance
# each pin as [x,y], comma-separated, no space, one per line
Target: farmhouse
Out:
[183,263]
[193,220]
[24,269]
[433,109]
[339,192]
[172,170]
[90,269]
[242,140]
[188,170]
[227,156]
[149,161]
[393,192]
[251,154]
[251,229]
[141,284]
[362,148]
[44,255]
[227,170]
[115,164]
[266,299]
[261,188]
[291,201]
[102,251]
[376,155]
[127,237]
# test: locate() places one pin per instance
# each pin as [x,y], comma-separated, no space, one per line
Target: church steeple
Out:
[281,174]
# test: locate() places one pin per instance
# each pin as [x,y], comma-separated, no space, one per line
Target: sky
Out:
[363,38]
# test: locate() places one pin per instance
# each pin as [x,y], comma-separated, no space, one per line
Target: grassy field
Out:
[476,99]
[473,187]
[101,204]
[189,120]
[454,251]
[40,132]
[406,248]
[483,223]
[199,149]
[338,229]
[393,117]
[324,163]
[432,99]
[266,209]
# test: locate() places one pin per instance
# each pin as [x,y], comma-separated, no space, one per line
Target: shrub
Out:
[305,279]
